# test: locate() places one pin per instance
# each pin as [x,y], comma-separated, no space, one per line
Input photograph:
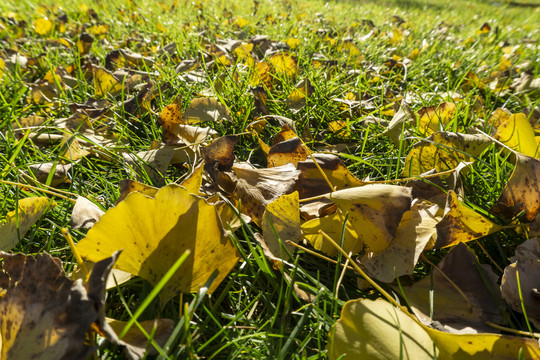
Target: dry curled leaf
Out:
[85,214]
[287,152]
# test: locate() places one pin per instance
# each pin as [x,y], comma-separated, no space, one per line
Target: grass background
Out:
[255,313]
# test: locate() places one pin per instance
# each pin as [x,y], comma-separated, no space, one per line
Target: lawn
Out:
[237,141]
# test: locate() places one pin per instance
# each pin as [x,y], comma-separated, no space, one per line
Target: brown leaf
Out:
[42,171]
[206,109]
[449,307]
[220,153]
[522,192]
[85,214]
[43,314]
[287,152]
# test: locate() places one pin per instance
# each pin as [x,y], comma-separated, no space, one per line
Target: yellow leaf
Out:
[283,216]
[293,43]
[206,109]
[241,22]
[433,118]
[261,74]
[297,98]
[20,221]
[194,181]
[105,82]
[43,26]
[518,134]
[461,224]
[284,65]
[374,211]
[444,151]
[287,152]
[332,225]
[375,329]
[98,29]
[155,232]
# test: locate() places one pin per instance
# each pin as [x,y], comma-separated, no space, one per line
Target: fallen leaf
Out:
[19,221]
[444,151]
[129,186]
[461,224]
[256,188]
[287,152]
[375,329]
[298,96]
[283,65]
[311,182]
[219,154]
[456,314]
[85,214]
[105,82]
[281,222]
[435,118]
[332,225]
[521,192]
[206,109]
[396,128]
[152,242]
[45,315]
[518,134]
[375,211]
[42,172]
[415,230]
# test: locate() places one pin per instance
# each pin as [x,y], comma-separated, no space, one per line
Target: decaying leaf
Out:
[152,164]
[435,118]
[332,225]
[375,329]
[19,221]
[298,96]
[374,211]
[311,182]
[478,284]
[522,192]
[401,118]
[415,230]
[287,152]
[85,214]
[152,241]
[461,224]
[129,186]
[45,315]
[105,82]
[526,265]
[205,109]
[219,154]
[256,188]
[281,222]
[42,172]
[444,151]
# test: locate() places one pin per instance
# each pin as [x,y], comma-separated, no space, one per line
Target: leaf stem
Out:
[76,253]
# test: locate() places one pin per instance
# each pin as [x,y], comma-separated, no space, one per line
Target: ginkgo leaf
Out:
[521,192]
[284,65]
[297,98]
[19,221]
[73,149]
[287,152]
[256,188]
[374,211]
[220,153]
[281,221]
[461,224]
[105,82]
[43,26]
[434,298]
[129,186]
[416,228]
[260,74]
[152,163]
[85,214]
[400,120]
[205,109]
[286,133]
[43,314]
[518,134]
[435,118]
[194,181]
[375,329]
[155,232]
[528,271]
[260,96]
[312,183]
[332,225]
[444,151]
[171,114]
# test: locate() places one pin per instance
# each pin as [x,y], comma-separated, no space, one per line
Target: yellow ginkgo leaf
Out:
[19,221]
[376,329]
[435,118]
[261,74]
[461,224]
[518,134]
[444,151]
[298,96]
[105,82]
[155,232]
[281,219]
[43,26]
[375,211]
[284,65]
[332,225]
[194,181]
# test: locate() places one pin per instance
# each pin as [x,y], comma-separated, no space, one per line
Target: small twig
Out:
[454,285]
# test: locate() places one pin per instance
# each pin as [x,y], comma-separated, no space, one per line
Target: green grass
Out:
[255,313]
